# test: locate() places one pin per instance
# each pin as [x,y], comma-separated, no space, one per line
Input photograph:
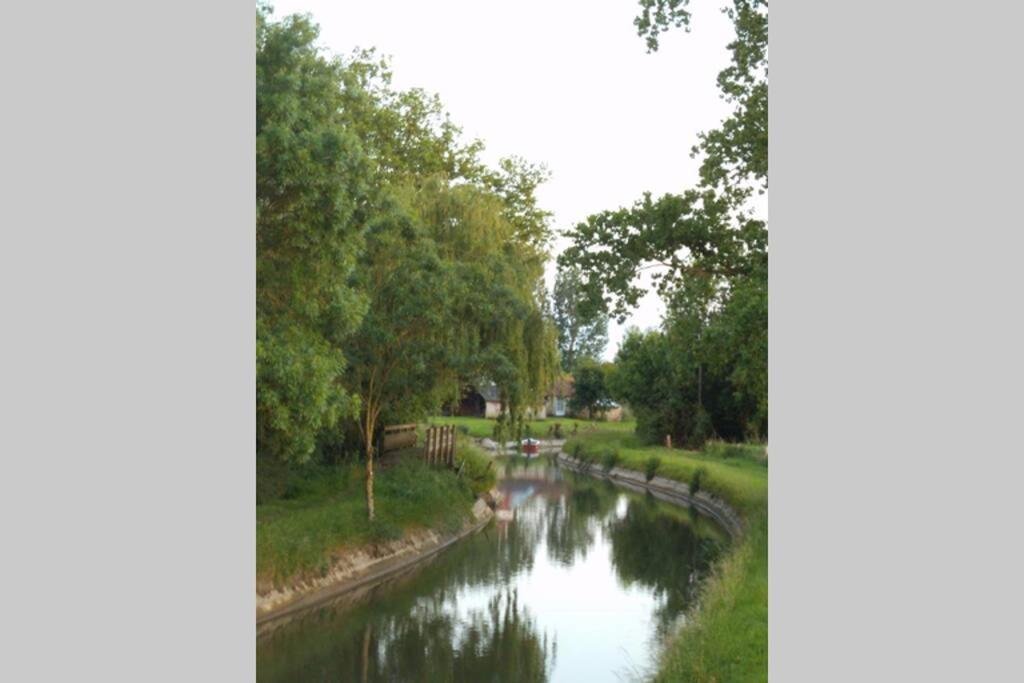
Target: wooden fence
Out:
[439,447]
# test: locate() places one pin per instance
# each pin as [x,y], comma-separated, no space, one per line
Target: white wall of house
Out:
[493,409]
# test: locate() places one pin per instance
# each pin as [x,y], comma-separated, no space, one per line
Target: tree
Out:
[454,252]
[705,249]
[393,265]
[590,390]
[312,180]
[582,331]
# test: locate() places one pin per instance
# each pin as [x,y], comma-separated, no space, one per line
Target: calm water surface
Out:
[582,584]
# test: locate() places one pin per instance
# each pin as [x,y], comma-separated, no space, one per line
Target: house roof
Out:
[489,391]
[561,387]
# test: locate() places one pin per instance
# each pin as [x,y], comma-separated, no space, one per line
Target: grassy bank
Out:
[481,427]
[325,510]
[726,640]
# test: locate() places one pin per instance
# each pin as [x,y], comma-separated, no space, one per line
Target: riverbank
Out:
[726,638]
[355,567]
[317,534]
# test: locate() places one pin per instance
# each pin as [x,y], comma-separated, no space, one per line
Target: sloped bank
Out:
[361,566]
[666,489]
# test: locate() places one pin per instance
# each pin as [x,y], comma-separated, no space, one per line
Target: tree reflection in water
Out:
[664,552]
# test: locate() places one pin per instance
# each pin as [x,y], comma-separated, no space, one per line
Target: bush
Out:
[702,428]
[478,469]
[651,466]
[696,480]
[725,450]
[557,431]
[610,459]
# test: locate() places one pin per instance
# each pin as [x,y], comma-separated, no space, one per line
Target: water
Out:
[581,584]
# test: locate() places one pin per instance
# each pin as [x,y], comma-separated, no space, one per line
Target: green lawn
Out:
[726,640]
[480,427]
[325,510]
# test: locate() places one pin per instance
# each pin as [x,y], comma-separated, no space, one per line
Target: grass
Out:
[481,427]
[326,511]
[726,639]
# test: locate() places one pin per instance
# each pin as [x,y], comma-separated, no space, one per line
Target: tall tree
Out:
[453,256]
[312,185]
[392,263]
[589,388]
[705,248]
[582,329]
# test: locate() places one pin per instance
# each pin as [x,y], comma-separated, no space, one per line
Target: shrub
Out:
[478,469]
[702,428]
[651,466]
[557,431]
[696,480]
[610,459]
[576,448]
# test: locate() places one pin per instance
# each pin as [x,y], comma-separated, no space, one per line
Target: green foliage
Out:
[707,255]
[312,177]
[582,332]
[610,459]
[590,391]
[478,468]
[651,466]
[696,480]
[393,265]
[327,511]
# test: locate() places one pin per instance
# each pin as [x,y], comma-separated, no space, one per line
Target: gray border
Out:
[127,289]
[127,367]
[895,341]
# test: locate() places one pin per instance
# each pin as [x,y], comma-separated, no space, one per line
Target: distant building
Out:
[485,401]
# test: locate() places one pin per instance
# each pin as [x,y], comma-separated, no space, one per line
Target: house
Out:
[609,412]
[556,403]
[485,401]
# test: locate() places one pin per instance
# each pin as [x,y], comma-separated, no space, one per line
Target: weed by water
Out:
[651,467]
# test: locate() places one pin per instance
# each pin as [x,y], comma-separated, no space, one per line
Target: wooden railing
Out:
[396,437]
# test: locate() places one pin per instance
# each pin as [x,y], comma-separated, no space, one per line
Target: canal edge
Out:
[666,489]
[307,596]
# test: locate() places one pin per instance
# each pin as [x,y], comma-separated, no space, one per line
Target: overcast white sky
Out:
[568,84]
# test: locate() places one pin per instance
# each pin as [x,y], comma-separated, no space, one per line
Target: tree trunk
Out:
[370,424]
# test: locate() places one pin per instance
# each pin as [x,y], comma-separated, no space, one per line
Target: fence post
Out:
[451,446]
[442,451]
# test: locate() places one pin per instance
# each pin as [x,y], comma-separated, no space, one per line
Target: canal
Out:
[577,580]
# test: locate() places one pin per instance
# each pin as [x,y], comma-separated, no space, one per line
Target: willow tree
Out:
[453,255]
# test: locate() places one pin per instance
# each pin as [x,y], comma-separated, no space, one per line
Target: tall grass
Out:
[326,511]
